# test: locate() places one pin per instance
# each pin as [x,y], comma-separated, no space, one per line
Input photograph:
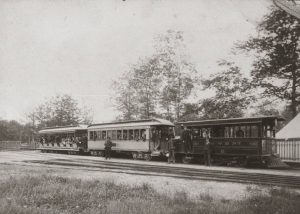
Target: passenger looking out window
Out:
[103,135]
[95,136]
[114,135]
[143,134]
[99,135]
[131,135]
[196,133]
[119,135]
[240,133]
[109,134]
[91,135]
[78,143]
[153,135]
[136,135]
[125,134]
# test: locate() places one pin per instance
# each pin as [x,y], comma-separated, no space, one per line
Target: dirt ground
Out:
[12,164]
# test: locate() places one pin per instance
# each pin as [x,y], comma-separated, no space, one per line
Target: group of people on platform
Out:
[186,137]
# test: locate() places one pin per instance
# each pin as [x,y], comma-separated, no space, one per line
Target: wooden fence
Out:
[16,145]
[288,150]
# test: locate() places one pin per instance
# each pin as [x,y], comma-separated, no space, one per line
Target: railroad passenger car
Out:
[65,139]
[142,139]
[242,141]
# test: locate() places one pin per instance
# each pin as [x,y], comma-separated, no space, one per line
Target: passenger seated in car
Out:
[137,137]
[119,136]
[77,142]
[143,138]
[240,133]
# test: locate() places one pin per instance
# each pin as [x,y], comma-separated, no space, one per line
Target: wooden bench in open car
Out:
[234,141]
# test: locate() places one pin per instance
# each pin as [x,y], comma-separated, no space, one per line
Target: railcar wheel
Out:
[148,157]
[100,153]
[134,155]
[186,159]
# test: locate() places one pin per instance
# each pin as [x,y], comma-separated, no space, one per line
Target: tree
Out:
[277,60]
[10,130]
[266,108]
[65,111]
[177,72]
[60,110]
[159,84]
[137,91]
[125,98]
[190,112]
[146,81]
[87,115]
[232,93]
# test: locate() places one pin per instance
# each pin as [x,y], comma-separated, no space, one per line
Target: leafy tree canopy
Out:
[159,84]
[60,110]
[232,93]
[277,57]
[14,131]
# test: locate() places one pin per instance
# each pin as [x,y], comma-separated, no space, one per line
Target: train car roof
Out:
[62,129]
[230,121]
[132,123]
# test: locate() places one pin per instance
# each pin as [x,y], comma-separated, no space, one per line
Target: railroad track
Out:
[176,172]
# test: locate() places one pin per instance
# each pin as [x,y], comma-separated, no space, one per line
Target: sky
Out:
[79,47]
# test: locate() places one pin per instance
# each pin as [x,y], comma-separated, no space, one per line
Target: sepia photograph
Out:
[149,106]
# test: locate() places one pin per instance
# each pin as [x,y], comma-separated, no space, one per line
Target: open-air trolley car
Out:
[66,139]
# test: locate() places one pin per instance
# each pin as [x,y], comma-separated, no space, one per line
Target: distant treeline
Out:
[14,131]
[60,110]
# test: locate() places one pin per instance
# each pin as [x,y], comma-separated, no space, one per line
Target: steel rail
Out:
[185,173]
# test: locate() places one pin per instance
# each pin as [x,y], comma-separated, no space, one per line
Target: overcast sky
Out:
[49,47]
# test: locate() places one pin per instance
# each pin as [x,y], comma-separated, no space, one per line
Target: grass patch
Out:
[56,194]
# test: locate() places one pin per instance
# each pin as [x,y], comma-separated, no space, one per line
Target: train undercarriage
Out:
[253,161]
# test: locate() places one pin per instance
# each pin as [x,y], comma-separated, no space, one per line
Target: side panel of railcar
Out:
[120,144]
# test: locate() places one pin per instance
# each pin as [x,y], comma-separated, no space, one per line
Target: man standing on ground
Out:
[207,148]
[108,144]
[187,139]
[171,147]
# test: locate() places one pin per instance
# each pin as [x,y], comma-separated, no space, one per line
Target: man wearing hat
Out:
[207,148]
[108,144]
[171,146]
[187,139]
